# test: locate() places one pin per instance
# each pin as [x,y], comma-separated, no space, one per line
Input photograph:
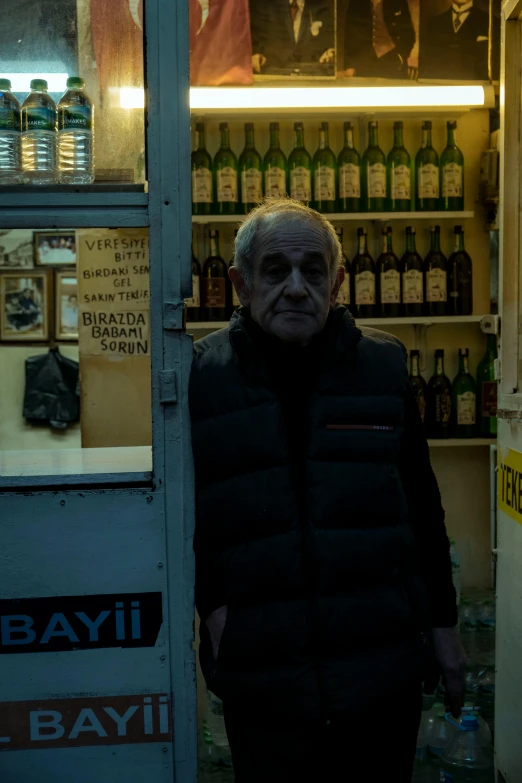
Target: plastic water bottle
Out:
[39,136]
[469,757]
[75,135]
[486,616]
[10,134]
[420,765]
[455,569]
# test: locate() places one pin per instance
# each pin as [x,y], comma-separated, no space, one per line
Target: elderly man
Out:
[322,560]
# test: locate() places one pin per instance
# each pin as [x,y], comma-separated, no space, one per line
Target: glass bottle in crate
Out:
[363,271]
[427,173]
[452,174]
[201,165]
[412,278]
[398,172]
[464,403]
[389,278]
[274,165]
[226,185]
[193,304]
[250,172]
[438,409]
[345,291]
[300,168]
[460,274]
[418,384]
[373,173]
[436,276]
[214,283]
[487,391]
[324,168]
[349,172]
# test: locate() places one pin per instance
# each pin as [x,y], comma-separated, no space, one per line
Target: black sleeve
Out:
[397,16]
[427,518]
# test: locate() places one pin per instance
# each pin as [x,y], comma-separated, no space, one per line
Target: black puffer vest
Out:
[313,554]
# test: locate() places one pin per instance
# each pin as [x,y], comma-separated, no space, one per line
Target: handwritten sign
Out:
[113,287]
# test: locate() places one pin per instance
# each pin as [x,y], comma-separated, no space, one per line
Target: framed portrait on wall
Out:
[16,249]
[66,305]
[55,248]
[24,306]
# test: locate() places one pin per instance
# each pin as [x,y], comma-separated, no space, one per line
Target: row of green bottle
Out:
[349,182]
[409,287]
[464,409]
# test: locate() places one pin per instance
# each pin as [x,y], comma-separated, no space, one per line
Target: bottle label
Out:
[75,117]
[344,292]
[401,183]
[275,182]
[202,186]
[36,118]
[436,286]
[452,181]
[301,184]
[489,399]
[421,404]
[412,287]
[443,407]
[213,291]
[226,180]
[365,288]
[324,184]
[466,408]
[377,181]
[350,181]
[195,299]
[9,119]
[251,186]
[390,287]
[428,181]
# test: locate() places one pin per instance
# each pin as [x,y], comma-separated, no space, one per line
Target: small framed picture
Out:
[66,305]
[55,248]
[16,249]
[24,306]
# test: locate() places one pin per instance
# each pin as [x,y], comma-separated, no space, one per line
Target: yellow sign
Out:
[510,483]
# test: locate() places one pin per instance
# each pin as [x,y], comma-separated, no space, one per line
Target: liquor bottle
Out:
[225,175]
[398,168]
[300,168]
[274,165]
[460,299]
[214,283]
[234,299]
[349,168]
[345,291]
[324,171]
[436,275]
[438,407]
[464,403]
[412,270]
[418,384]
[373,175]
[427,174]
[363,271]
[193,304]
[202,196]
[250,172]
[452,174]
[487,389]
[389,277]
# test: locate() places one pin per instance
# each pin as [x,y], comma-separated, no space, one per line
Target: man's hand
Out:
[452,662]
[258,60]
[216,625]
[328,56]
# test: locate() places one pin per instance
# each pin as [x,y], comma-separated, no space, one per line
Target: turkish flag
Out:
[220,42]
[117,37]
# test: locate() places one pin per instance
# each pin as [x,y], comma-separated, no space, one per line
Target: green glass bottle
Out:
[250,172]
[418,384]
[460,269]
[412,269]
[398,168]
[324,167]
[487,391]
[436,276]
[464,402]
[300,168]
[389,278]
[349,169]
[452,174]
[427,174]
[274,165]
[363,271]
[373,174]
[214,283]
[225,175]
[438,407]
[202,190]
[193,305]
[345,291]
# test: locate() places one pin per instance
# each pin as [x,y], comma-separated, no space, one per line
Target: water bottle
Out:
[39,136]
[469,757]
[10,130]
[455,569]
[420,764]
[439,736]
[486,696]
[486,616]
[75,135]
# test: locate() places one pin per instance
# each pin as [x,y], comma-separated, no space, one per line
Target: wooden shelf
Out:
[454,442]
[206,326]
[341,217]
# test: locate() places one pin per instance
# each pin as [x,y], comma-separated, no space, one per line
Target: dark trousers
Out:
[364,746]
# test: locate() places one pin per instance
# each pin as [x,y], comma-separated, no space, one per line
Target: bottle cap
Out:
[458,230]
[435,229]
[348,126]
[38,85]
[298,126]
[373,124]
[398,125]
[75,83]
[361,232]
[410,229]
[427,125]
[5,84]
[469,723]
[274,126]
[214,233]
[249,126]
[452,124]
[439,352]
[223,126]
[323,126]
[200,127]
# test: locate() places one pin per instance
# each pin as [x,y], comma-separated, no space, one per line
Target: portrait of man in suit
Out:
[293,37]
[455,43]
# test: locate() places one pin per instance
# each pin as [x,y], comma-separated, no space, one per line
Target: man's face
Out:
[291,292]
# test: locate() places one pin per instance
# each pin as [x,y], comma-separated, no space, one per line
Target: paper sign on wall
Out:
[510,483]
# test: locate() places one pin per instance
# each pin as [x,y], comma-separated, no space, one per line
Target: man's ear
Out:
[239,284]
[339,279]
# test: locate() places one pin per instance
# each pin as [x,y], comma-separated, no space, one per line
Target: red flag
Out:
[220,42]
[117,37]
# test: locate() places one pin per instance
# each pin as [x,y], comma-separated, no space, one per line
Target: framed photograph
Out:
[16,249]
[55,248]
[66,305]
[24,306]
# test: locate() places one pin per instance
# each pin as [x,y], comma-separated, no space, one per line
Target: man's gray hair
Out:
[271,214]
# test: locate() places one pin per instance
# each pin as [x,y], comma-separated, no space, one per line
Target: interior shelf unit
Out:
[207,326]
[341,217]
